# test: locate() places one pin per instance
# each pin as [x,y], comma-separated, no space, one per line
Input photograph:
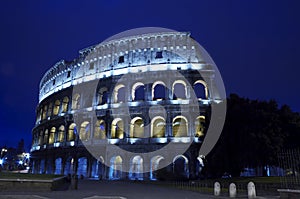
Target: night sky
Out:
[255,44]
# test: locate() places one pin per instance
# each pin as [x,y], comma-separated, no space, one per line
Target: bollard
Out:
[232,190]
[251,190]
[74,182]
[217,189]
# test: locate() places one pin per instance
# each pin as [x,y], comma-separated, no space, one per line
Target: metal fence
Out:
[289,160]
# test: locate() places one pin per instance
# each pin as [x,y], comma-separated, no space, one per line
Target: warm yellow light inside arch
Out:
[137,128]
[199,129]
[61,134]
[179,129]
[84,134]
[65,104]
[71,133]
[51,136]
[100,133]
[158,128]
[56,107]
[117,128]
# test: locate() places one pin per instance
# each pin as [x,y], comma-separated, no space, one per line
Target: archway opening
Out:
[181,166]
[158,91]
[84,133]
[136,168]
[158,126]
[76,101]
[82,167]
[138,92]
[115,170]
[200,89]
[100,130]
[61,134]
[180,127]
[58,166]
[137,128]
[179,90]
[72,131]
[155,161]
[65,104]
[199,125]
[51,136]
[117,129]
[56,107]
[119,93]
[102,96]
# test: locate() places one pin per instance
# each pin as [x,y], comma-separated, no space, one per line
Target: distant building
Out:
[137,92]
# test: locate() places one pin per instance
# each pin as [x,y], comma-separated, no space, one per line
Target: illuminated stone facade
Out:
[148,93]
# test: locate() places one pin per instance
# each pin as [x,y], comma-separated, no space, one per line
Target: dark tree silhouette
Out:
[254,132]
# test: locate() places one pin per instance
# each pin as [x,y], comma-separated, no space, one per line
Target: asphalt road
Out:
[90,189]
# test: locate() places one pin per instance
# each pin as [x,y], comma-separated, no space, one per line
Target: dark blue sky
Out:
[255,44]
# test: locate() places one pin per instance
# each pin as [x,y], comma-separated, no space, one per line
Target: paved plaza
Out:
[91,189]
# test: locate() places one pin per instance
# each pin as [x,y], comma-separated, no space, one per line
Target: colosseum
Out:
[133,104]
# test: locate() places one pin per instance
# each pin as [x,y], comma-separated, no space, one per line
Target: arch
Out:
[117,128]
[137,128]
[97,168]
[100,130]
[72,131]
[102,96]
[119,93]
[56,107]
[200,89]
[158,127]
[179,90]
[82,167]
[138,91]
[42,166]
[45,137]
[45,108]
[155,166]
[52,135]
[68,168]
[199,126]
[76,101]
[65,104]
[158,90]
[199,166]
[181,166]
[61,134]
[84,133]
[39,117]
[136,168]
[180,126]
[49,114]
[41,138]
[58,166]
[115,169]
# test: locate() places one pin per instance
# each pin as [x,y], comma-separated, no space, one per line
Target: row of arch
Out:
[115,169]
[180,128]
[158,92]
[53,109]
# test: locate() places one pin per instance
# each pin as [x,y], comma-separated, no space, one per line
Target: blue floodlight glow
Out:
[1,161]
[20,162]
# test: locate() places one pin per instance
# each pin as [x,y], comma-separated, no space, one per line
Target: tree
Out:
[253,134]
